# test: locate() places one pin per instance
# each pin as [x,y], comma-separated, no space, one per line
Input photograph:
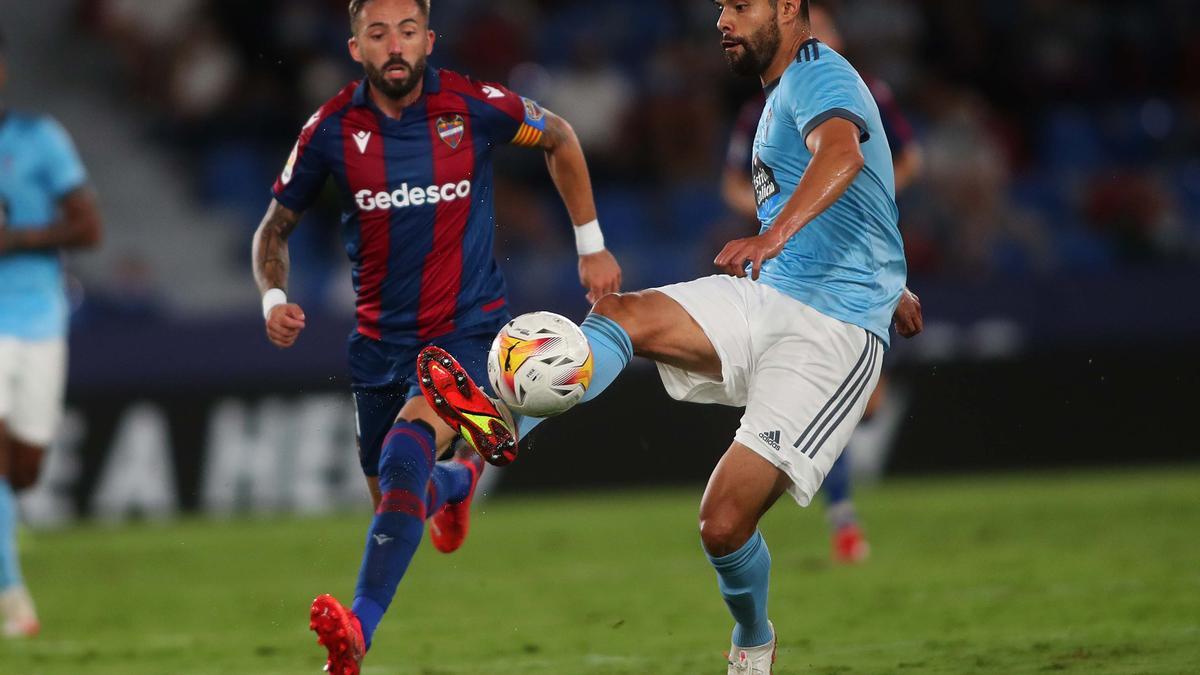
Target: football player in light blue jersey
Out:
[44,207]
[849,543]
[794,330]
[847,262]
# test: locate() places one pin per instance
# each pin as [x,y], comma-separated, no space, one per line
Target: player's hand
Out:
[600,274]
[753,250]
[284,324]
[908,317]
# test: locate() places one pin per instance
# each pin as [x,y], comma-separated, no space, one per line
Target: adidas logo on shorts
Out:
[771,437]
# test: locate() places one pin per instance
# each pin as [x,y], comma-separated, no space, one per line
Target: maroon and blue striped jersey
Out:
[416,199]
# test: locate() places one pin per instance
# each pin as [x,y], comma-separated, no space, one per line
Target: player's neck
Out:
[785,56]
[393,107]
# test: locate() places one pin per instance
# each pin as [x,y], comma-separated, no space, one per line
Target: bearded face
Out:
[395,78]
[751,55]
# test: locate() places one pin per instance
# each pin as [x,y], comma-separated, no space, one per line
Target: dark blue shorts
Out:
[385,376]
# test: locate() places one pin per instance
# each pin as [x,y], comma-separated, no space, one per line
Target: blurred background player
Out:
[849,542]
[45,207]
[410,148]
[795,327]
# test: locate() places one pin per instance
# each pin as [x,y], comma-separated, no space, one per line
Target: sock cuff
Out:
[425,426]
[741,557]
[613,331]
[420,431]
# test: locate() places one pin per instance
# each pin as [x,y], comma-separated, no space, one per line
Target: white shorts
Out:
[804,377]
[32,377]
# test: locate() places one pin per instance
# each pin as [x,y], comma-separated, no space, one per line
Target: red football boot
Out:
[485,424]
[850,545]
[339,631]
[448,527]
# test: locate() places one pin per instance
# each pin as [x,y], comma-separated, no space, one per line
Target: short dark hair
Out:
[804,12]
[356,8]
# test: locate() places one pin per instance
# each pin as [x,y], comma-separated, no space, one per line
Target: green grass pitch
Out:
[1088,572]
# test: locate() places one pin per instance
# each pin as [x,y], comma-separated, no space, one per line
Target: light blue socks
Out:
[611,351]
[10,564]
[743,577]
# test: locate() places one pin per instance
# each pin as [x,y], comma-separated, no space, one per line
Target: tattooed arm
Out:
[270,255]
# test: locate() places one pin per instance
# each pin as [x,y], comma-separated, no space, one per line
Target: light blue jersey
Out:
[848,263]
[38,166]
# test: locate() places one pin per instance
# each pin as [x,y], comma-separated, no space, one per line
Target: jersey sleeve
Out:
[303,176]
[509,117]
[62,170]
[820,92]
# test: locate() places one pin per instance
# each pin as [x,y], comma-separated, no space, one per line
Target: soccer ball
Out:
[540,364]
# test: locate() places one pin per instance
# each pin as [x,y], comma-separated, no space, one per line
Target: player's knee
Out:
[626,310]
[616,306]
[723,535]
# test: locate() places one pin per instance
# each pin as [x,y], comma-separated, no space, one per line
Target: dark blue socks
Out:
[405,466]
[450,483]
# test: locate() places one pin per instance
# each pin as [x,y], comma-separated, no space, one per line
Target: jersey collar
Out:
[810,50]
[432,84]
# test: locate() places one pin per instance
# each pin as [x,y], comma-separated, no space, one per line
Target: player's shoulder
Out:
[817,65]
[461,83]
[492,94]
[331,109]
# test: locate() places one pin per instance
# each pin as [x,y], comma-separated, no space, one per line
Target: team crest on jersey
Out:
[451,130]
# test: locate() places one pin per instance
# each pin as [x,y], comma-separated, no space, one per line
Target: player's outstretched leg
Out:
[742,488]
[486,423]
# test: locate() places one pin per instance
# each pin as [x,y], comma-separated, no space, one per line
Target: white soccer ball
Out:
[540,364]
